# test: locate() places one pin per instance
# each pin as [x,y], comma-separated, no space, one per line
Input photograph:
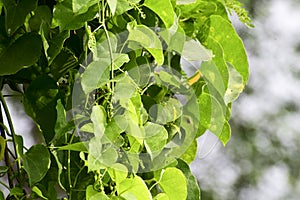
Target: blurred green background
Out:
[262,160]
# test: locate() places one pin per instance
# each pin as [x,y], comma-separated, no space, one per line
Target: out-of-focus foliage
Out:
[262,159]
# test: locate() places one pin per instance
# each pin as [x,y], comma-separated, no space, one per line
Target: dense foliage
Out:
[120,90]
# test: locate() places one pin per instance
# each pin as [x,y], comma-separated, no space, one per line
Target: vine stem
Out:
[3,129]
[102,22]
[11,127]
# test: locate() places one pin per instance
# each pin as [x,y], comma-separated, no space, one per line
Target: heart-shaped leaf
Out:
[36,163]
[22,53]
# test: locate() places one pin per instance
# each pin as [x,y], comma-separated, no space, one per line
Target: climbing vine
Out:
[120,91]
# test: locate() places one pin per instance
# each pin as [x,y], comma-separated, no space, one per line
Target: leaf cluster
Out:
[120,91]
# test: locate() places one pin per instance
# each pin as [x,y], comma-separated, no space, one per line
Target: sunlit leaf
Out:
[155,138]
[235,85]
[82,6]
[166,14]
[134,188]
[100,68]
[36,163]
[173,183]
[79,146]
[193,191]
[118,173]
[161,196]
[99,157]
[124,89]
[218,59]
[212,75]
[166,111]
[234,52]
[22,53]
[98,118]
[194,51]
[180,2]
[112,5]
[38,192]
[124,5]
[211,113]
[2,147]
[145,37]
[190,154]
[139,71]
[92,194]
[225,134]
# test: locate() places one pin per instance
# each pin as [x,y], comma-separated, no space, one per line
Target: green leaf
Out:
[212,75]
[161,196]
[16,13]
[66,19]
[163,9]
[166,111]
[124,89]
[118,173]
[112,5]
[211,113]
[181,2]
[168,78]
[40,104]
[59,168]
[38,192]
[2,147]
[134,188]
[36,163]
[226,134]
[119,60]
[99,196]
[42,14]
[218,59]
[92,194]
[139,71]
[78,146]
[16,191]
[193,50]
[19,144]
[234,52]
[1,193]
[56,44]
[240,11]
[61,120]
[98,118]
[235,85]
[190,154]
[173,183]
[82,6]
[124,5]
[96,74]
[62,63]
[99,157]
[193,191]
[155,138]
[22,53]
[145,37]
